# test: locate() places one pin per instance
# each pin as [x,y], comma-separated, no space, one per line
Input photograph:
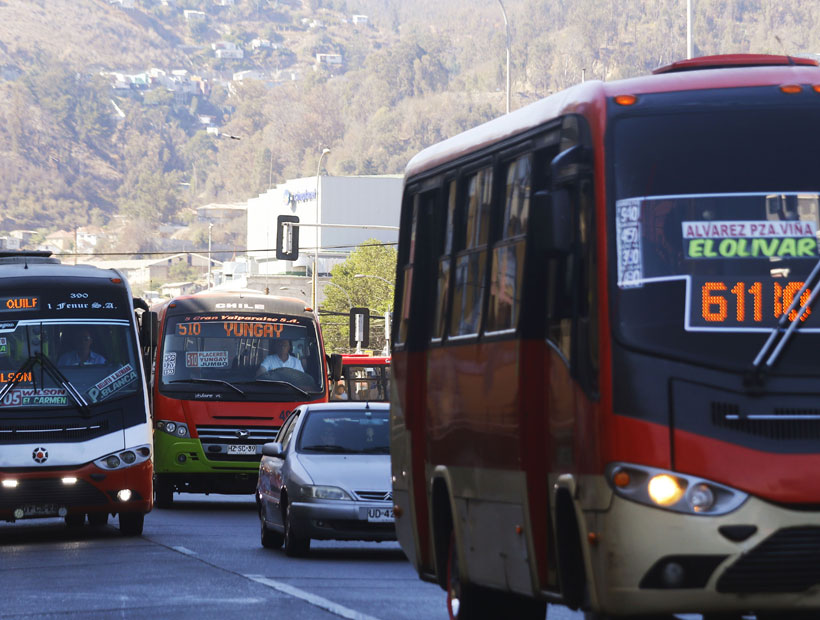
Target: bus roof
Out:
[730,71]
[217,301]
[36,266]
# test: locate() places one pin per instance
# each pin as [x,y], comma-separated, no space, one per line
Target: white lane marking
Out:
[316,601]
[184,550]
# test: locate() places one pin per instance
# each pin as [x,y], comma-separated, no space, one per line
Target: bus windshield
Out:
[716,229]
[56,364]
[267,357]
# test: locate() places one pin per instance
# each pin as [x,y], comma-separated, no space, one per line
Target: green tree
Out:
[365,279]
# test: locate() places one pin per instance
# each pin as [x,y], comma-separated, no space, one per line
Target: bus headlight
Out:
[672,491]
[177,429]
[124,458]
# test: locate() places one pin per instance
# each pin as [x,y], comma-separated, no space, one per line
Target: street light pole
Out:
[325,151]
[210,227]
[689,50]
[507,31]
[349,300]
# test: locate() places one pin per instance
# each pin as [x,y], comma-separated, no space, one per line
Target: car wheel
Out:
[97,519]
[469,602]
[131,523]
[163,492]
[295,545]
[75,521]
[269,538]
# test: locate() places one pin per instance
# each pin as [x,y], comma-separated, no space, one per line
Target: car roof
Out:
[347,406]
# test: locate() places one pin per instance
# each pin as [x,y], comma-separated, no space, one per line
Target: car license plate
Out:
[40,510]
[245,450]
[380,515]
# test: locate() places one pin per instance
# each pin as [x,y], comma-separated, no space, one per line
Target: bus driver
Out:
[281,358]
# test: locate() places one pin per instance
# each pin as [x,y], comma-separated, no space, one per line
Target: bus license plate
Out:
[244,450]
[40,510]
[380,515]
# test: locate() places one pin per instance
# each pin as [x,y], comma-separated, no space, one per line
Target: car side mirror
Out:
[274,449]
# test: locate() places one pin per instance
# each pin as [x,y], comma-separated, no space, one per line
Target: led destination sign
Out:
[744,303]
[16,304]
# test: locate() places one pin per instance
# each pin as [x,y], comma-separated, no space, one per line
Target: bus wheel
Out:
[270,539]
[163,492]
[75,521]
[295,545]
[131,523]
[468,602]
[97,519]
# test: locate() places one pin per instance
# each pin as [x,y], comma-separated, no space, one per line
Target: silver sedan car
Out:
[327,477]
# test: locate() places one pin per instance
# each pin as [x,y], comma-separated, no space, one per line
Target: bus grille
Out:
[50,491]
[787,561]
[782,424]
[216,439]
[59,432]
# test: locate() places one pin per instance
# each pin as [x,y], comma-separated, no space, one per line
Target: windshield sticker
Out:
[35,398]
[750,239]
[169,364]
[628,235]
[4,346]
[8,326]
[112,383]
[206,359]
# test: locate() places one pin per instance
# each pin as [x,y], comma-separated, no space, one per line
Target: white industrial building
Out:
[360,200]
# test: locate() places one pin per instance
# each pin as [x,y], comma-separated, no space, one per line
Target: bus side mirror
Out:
[557,210]
[335,364]
[571,164]
[149,329]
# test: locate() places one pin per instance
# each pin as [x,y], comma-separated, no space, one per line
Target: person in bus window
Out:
[280,358]
[339,391]
[82,354]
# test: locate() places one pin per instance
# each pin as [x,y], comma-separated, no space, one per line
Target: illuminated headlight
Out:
[124,458]
[69,480]
[672,491]
[177,429]
[10,484]
[323,492]
[124,495]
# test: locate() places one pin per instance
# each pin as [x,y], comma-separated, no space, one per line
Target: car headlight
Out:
[124,458]
[177,429]
[323,492]
[672,491]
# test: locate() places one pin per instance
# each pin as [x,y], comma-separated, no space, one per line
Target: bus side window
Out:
[471,263]
[444,248]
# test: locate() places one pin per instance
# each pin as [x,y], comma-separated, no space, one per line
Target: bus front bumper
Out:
[760,557]
[32,494]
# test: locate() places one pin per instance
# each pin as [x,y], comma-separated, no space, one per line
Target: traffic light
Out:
[287,237]
[359,327]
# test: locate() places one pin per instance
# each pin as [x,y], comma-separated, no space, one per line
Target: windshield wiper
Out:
[757,372]
[330,448]
[57,375]
[295,387]
[377,450]
[215,381]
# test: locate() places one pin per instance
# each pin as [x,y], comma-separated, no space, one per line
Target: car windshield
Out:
[716,230]
[346,432]
[241,356]
[63,364]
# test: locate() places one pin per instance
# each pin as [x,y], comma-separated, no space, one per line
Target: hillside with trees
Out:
[107,105]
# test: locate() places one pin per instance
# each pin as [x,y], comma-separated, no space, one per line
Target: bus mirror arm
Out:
[556,206]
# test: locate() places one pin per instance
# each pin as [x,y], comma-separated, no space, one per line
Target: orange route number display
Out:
[745,303]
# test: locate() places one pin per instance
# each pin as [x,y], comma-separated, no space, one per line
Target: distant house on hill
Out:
[62,240]
[193,16]
[359,19]
[329,59]
[248,74]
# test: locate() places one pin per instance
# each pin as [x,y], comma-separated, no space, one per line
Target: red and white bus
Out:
[75,434]
[602,394]
[364,377]
[218,392]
